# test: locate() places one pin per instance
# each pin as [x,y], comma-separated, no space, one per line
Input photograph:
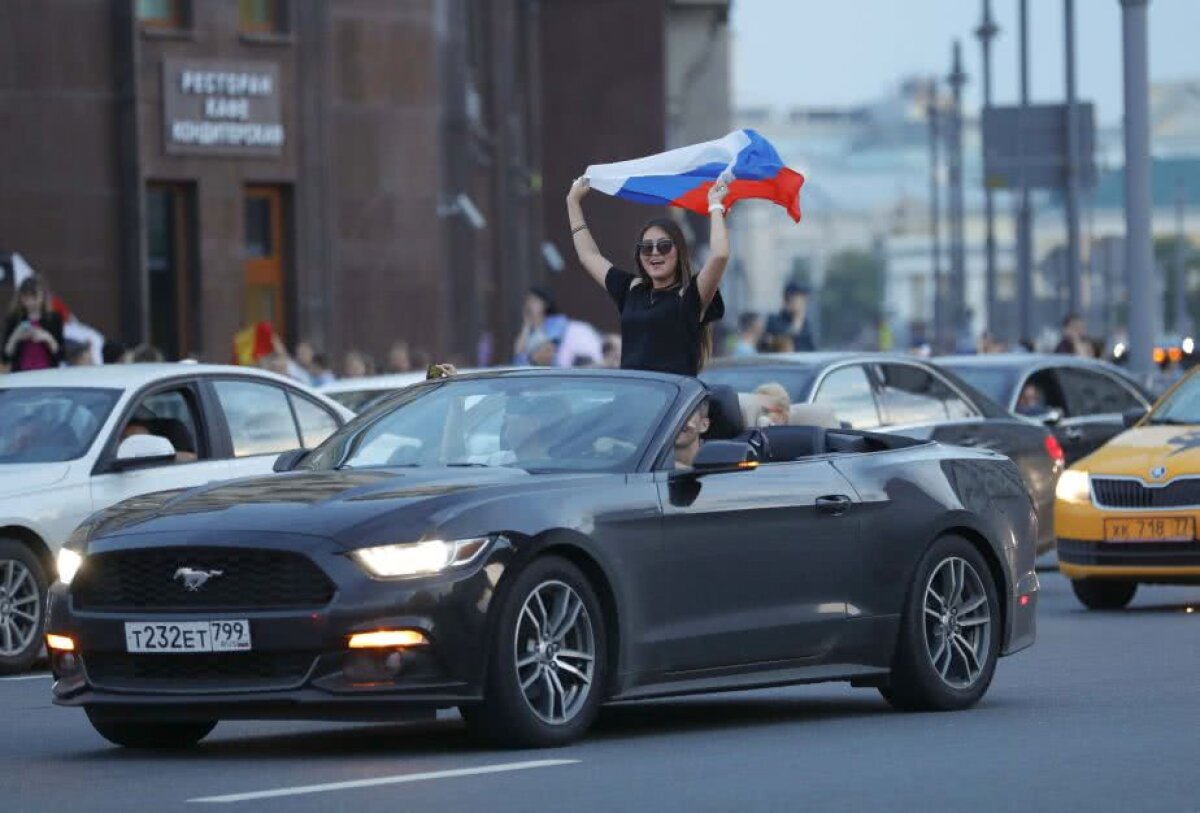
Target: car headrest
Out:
[813,415]
[724,413]
[752,406]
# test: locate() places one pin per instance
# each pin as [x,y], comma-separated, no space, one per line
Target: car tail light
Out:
[1054,449]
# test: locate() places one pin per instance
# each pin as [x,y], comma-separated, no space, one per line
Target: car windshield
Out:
[994,382]
[536,423]
[1181,407]
[51,424]
[797,380]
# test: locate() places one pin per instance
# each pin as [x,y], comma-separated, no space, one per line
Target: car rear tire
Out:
[23,588]
[547,661]
[949,632]
[150,735]
[1103,594]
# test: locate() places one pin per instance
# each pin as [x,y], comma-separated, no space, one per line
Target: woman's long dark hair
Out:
[683,272]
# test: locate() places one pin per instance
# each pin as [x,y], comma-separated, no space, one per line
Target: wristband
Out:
[578,228]
[716,207]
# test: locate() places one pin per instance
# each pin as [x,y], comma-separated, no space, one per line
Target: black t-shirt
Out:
[660,330]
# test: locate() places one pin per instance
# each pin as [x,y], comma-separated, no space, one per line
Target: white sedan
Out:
[77,440]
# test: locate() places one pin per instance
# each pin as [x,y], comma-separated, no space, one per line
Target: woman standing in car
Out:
[666,310]
[33,334]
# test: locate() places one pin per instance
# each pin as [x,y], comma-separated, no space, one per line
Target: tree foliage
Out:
[851,299]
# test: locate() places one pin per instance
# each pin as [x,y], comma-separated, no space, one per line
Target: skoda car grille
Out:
[1117,493]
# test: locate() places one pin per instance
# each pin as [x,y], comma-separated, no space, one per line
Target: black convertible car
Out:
[526,546]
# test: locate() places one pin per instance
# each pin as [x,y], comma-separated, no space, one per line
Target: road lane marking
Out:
[25,677]
[385,780]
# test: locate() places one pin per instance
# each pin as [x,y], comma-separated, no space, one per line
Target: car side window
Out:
[259,417]
[847,390]
[169,414]
[911,394]
[1091,393]
[315,423]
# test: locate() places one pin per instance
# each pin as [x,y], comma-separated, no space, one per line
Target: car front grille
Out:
[157,580]
[222,671]
[1115,493]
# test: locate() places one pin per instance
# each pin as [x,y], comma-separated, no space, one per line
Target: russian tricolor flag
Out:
[683,177]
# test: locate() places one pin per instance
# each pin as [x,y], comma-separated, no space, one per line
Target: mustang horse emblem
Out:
[193,580]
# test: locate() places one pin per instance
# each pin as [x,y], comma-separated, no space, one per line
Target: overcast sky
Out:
[842,52]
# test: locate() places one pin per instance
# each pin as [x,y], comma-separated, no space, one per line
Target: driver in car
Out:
[687,442]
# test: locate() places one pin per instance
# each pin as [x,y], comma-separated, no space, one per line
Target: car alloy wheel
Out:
[958,622]
[555,652]
[20,608]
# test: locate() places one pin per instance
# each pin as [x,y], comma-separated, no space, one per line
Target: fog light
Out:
[386,639]
[65,663]
[59,643]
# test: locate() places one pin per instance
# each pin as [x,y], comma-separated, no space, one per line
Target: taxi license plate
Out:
[187,636]
[1150,529]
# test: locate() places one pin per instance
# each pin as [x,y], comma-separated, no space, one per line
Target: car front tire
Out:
[1103,594]
[949,632]
[23,588]
[547,660]
[150,735]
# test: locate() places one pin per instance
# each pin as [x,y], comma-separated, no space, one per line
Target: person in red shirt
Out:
[33,334]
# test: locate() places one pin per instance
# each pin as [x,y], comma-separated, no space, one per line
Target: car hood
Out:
[353,507]
[24,478]
[1138,451]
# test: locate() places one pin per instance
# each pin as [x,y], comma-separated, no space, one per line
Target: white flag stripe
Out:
[609,178]
[384,780]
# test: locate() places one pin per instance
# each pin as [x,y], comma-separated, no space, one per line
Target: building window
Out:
[261,16]
[164,14]
[263,256]
[170,268]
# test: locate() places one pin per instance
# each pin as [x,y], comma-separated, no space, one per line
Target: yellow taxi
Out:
[1127,514]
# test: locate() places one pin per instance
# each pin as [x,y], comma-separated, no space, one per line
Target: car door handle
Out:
[833,504]
[1074,433]
[969,440]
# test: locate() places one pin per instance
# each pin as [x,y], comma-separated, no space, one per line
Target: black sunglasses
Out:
[664,246]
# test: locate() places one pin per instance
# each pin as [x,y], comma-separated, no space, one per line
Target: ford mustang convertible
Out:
[528,545]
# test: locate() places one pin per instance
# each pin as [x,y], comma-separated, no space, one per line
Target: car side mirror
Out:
[1051,417]
[289,459]
[1132,417]
[725,455]
[143,450]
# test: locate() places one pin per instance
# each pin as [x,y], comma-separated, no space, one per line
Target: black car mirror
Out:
[289,459]
[1051,417]
[725,455]
[1131,417]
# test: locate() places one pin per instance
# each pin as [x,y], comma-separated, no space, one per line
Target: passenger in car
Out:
[777,405]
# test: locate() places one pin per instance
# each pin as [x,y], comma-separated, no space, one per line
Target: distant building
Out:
[355,173]
[868,186]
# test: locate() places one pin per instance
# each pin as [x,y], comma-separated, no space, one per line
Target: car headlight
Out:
[68,564]
[1074,486]
[420,558]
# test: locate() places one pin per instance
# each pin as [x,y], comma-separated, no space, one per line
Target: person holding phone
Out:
[666,311]
[33,334]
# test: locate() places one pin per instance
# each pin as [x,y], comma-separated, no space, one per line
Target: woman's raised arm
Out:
[709,279]
[589,254]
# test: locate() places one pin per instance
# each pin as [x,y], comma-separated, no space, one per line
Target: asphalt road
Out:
[1102,714]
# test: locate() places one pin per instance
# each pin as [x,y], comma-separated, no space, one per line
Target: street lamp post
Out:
[1145,304]
[986,32]
[1182,318]
[958,257]
[935,213]
[1074,276]
[1024,206]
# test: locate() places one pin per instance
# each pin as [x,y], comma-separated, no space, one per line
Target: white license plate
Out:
[187,636]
